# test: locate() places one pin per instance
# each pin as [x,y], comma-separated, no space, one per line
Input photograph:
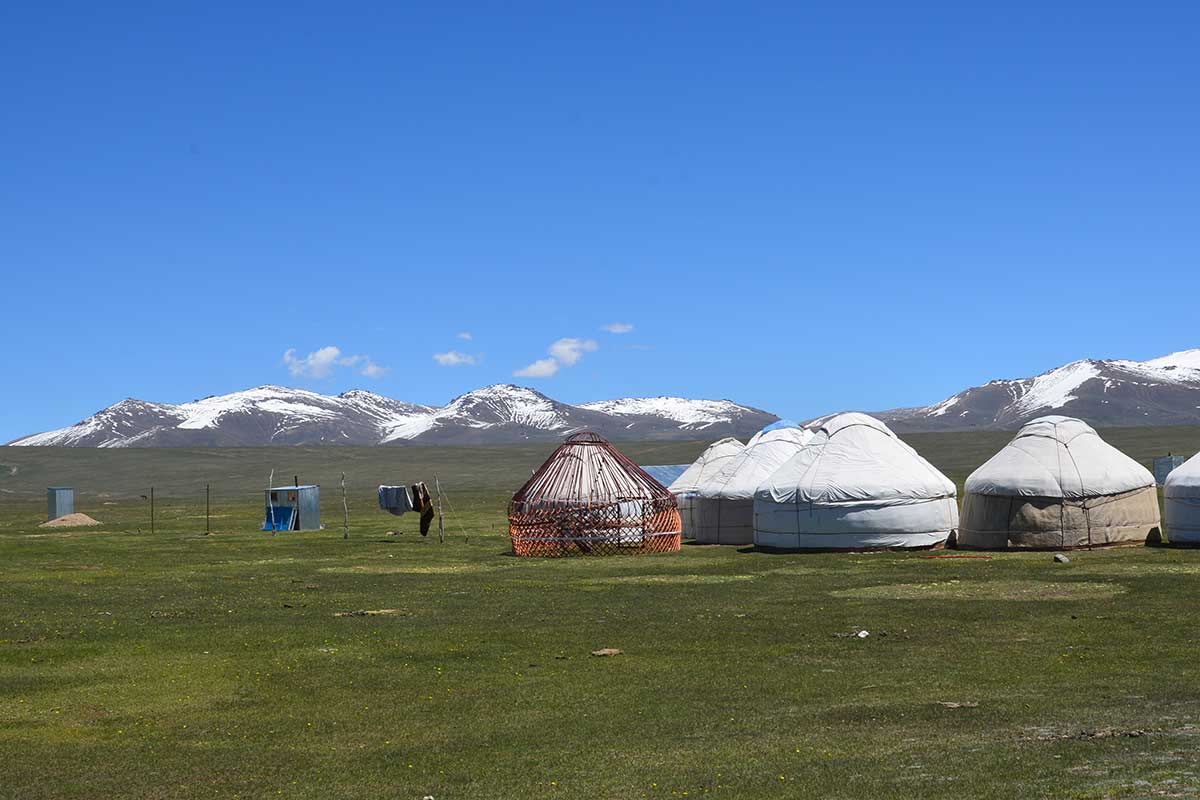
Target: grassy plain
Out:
[239,665]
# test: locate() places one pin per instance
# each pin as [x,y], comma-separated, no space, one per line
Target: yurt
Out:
[710,462]
[1181,503]
[590,499]
[855,486]
[723,505]
[1058,485]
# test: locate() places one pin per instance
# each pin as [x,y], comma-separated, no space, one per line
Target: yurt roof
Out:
[764,454]
[587,469]
[709,463]
[1184,479]
[856,458]
[1058,456]
[780,423]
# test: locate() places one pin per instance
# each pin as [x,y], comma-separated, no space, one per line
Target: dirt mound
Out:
[71,521]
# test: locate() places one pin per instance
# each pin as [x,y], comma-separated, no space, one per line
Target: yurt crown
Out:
[586,437]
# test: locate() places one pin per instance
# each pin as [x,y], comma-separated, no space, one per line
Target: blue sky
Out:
[805,209]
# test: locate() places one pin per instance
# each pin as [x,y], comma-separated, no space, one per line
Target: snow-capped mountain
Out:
[499,413]
[1161,391]
[275,415]
[695,415]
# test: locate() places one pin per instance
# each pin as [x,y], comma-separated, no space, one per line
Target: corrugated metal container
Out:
[666,473]
[310,508]
[304,503]
[60,501]
[1163,465]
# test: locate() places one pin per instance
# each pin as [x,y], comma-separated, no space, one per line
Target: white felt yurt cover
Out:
[708,464]
[1058,485]
[723,506]
[761,456]
[1181,503]
[1058,456]
[855,485]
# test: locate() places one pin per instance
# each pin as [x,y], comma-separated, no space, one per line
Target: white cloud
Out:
[322,363]
[465,336]
[563,353]
[317,364]
[568,351]
[542,368]
[618,327]
[372,370]
[454,358]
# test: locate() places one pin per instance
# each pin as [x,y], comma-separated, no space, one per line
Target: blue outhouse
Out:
[292,508]
[60,501]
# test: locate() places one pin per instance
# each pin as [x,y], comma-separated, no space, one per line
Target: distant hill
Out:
[500,414]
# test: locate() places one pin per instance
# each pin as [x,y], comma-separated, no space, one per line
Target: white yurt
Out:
[723,505]
[1058,485]
[710,462]
[854,486]
[1181,503]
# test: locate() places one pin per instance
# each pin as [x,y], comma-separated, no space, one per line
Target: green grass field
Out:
[179,665]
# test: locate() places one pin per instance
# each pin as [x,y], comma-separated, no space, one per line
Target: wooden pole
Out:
[151,510]
[345,511]
[441,525]
[207,509]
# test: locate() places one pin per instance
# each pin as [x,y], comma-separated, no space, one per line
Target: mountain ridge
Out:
[1104,392]
[497,414]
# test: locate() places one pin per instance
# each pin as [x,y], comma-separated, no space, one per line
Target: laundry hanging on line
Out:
[395,500]
[399,500]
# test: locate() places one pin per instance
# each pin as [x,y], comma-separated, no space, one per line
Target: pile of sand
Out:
[71,521]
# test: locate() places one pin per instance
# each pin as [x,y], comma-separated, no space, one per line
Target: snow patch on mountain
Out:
[407,429]
[943,407]
[505,403]
[110,427]
[1054,389]
[692,414]
[207,412]
[502,404]
[1183,360]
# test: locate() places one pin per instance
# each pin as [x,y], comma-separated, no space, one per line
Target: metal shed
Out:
[1163,465]
[60,501]
[666,473]
[292,508]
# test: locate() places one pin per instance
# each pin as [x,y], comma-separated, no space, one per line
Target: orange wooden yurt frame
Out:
[590,499]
